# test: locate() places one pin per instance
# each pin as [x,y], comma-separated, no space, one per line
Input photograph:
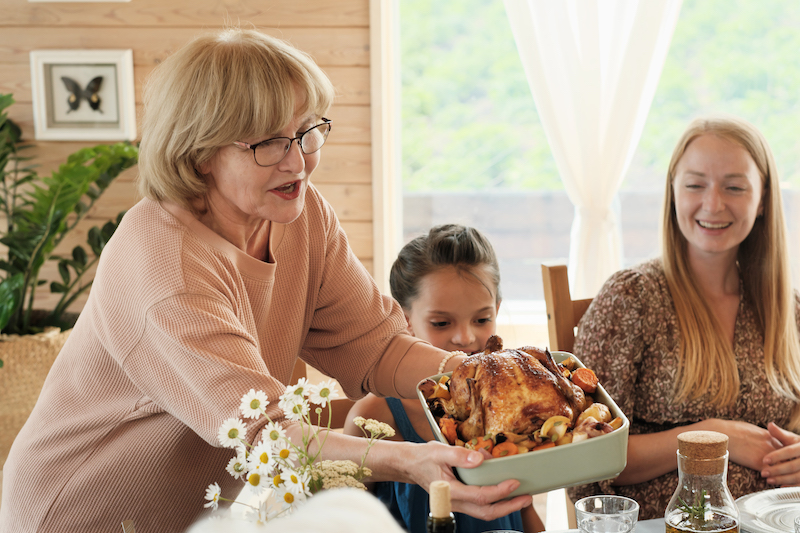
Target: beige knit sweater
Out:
[179,325]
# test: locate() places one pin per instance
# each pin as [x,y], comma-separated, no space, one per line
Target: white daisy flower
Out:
[241,449]
[285,452]
[231,433]
[322,393]
[287,498]
[213,493]
[258,481]
[297,483]
[277,480]
[273,433]
[237,466]
[298,389]
[289,399]
[296,412]
[262,458]
[253,403]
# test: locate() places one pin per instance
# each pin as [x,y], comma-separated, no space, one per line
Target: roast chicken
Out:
[511,391]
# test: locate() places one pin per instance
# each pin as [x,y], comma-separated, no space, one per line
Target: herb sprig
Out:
[697,512]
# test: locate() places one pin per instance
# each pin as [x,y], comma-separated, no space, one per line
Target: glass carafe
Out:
[702,501]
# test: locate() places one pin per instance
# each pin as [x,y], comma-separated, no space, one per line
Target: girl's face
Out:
[455,309]
[718,192]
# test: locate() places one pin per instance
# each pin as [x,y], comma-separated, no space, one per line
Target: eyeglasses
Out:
[272,151]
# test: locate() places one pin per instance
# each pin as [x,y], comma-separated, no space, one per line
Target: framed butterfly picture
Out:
[83,95]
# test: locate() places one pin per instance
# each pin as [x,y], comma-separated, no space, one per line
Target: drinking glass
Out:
[606,514]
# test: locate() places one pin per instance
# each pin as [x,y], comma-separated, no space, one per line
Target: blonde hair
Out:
[217,89]
[706,361]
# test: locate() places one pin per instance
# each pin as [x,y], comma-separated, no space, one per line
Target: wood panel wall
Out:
[335,32]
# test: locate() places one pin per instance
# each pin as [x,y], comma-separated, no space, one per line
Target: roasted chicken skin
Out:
[511,391]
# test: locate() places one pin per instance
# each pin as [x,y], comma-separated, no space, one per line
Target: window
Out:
[474,152]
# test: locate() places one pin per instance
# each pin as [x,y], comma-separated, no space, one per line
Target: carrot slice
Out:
[448,427]
[504,449]
[484,442]
[585,379]
[547,444]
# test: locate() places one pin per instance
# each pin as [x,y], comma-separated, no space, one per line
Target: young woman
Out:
[448,284]
[706,336]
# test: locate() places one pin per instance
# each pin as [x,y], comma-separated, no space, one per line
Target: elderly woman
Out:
[705,337]
[229,269]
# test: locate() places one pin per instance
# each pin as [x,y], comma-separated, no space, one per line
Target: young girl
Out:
[448,284]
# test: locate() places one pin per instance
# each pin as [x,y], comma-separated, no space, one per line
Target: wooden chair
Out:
[340,406]
[563,313]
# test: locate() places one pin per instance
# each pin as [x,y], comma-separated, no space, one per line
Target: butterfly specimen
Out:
[89,93]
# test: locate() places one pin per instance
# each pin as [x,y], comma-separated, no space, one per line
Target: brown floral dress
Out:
[629,336]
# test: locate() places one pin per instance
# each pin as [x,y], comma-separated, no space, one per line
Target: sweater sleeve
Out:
[193,361]
[354,326]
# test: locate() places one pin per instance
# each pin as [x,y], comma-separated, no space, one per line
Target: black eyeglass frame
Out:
[325,122]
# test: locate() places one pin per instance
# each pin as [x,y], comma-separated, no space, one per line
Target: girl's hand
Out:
[435,460]
[748,444]
[782,467]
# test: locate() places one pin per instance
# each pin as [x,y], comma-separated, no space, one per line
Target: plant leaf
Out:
[64,272]
[79,255]
[58,287]
[10,297]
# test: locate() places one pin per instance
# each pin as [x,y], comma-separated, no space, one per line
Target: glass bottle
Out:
[702,501]
[440,519]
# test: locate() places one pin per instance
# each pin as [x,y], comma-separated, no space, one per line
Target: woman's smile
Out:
[713,225]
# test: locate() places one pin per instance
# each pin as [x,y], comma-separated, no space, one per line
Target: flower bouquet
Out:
[283,474]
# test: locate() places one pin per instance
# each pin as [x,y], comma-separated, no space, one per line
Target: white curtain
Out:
[593,67]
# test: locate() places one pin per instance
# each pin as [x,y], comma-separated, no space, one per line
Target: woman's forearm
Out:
[385,458]
[421,361]
[649,456]
[653,454]
[421,464]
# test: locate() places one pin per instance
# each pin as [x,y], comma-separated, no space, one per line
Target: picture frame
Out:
[83,95]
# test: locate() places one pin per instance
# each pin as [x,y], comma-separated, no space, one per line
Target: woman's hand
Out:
[748,444]
[435,460]
[782,466]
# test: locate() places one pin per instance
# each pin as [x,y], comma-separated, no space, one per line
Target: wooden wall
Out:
[335,32]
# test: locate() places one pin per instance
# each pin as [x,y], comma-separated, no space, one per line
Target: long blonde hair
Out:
[217,89]
[706,361]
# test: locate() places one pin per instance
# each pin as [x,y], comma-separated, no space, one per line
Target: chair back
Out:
[563,313]
[337,409]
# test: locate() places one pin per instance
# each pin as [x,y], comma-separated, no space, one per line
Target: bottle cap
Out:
[702,444]
[707,449]
[440,499]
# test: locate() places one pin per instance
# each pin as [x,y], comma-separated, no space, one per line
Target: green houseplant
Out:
[39,212]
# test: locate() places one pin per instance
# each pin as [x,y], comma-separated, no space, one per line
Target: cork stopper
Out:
[440,499]
[704,451]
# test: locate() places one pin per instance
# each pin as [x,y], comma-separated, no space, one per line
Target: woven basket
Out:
[26,361]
